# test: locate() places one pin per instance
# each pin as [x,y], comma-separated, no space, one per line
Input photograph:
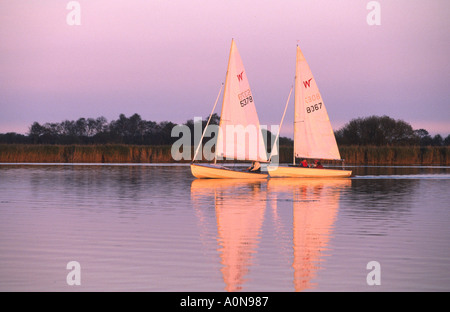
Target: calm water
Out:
[155,228]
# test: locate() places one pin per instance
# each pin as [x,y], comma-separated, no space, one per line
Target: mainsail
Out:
[239,136]
[313,134]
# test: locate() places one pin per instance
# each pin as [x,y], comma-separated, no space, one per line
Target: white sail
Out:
[313,134]
[239,136]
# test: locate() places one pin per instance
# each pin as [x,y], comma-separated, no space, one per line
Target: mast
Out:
[223,99]
[295,103]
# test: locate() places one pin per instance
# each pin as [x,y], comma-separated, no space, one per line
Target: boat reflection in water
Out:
[240,209]
[315,207]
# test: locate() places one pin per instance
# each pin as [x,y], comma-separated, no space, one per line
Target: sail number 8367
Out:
[313,108]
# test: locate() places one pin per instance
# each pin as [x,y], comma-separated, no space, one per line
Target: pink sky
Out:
[166,60]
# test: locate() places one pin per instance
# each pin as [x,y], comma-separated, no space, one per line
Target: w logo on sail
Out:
[239,76]
[307,83]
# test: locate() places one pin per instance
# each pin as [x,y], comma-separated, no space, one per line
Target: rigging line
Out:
[281,123]
[209,119]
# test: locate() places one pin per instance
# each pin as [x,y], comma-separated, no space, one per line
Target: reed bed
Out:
[357,155]
[16,153]
[396,155]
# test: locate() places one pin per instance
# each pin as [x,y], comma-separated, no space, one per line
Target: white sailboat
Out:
[239,136]
[313,135]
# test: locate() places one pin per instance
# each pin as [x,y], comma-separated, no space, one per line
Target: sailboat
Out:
[239,136]
[313,135]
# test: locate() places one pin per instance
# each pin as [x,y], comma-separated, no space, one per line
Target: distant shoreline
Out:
[108,154]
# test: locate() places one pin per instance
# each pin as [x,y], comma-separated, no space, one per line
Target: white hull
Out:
[301,172]
[204,171]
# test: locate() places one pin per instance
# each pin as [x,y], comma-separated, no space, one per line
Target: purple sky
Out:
[166,60]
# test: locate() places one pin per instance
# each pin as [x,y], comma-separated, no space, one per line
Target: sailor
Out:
[304,163]
[255,167]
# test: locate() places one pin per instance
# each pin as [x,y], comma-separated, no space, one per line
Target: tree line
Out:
[383,130]
[373,130]
[125,130]
[131,130]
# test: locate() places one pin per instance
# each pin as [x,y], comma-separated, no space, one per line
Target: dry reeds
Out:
[356,155]
[16,153]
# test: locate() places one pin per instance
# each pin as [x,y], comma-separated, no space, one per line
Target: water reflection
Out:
[315,206]
[129,189]
[401,172]
[240,209]
[376,203]
[152,228]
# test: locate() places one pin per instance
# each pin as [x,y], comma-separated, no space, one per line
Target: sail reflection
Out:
[239,211]
[231,214]
[315,207]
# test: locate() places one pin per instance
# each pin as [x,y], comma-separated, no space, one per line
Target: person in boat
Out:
[317,164]
[304,163]
[255,167]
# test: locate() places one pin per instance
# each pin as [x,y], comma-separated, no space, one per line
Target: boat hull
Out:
[203,171]
[301,172]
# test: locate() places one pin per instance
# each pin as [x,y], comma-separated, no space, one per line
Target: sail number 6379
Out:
[313,108]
